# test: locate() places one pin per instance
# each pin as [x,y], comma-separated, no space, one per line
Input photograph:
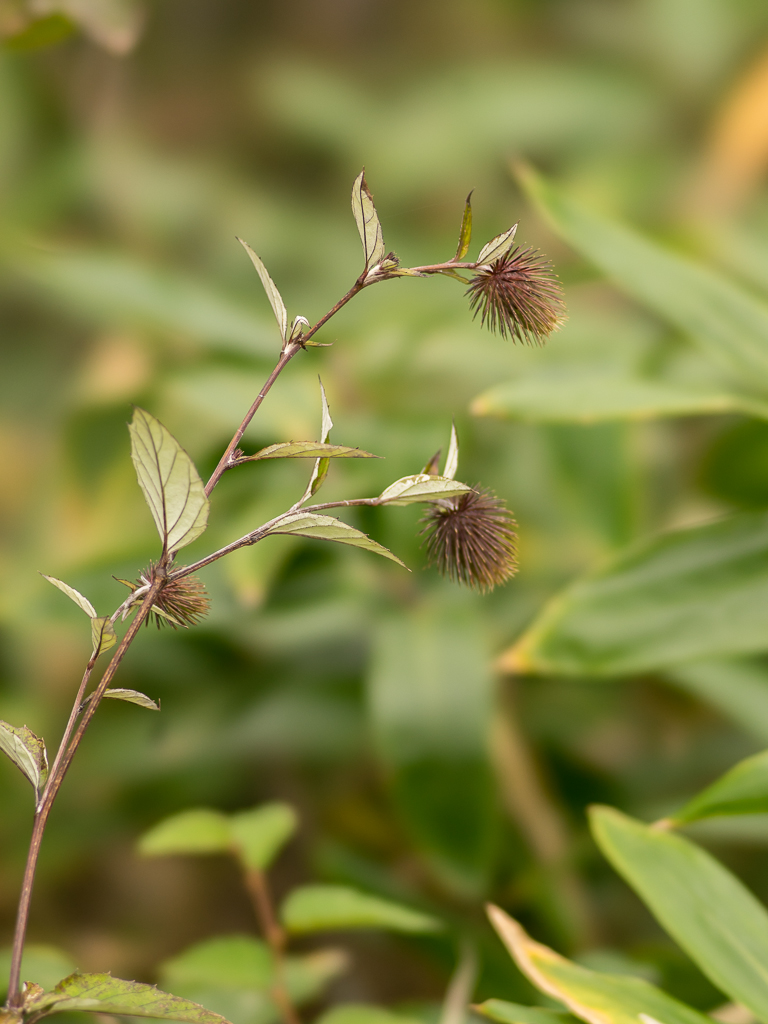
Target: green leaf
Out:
[260,834]
[594,394]
[364,1013]
[274,296]
[465,234]
[313,908]
[310,524]
[497,246]
[739,689]
[367,221]
[101,993]
[742,790]
[42,965]
[73,595]
[686,595]
[195,831]
[320,471]
[594,997]
[452,458]
[512,1013]
[705,908]
[170,482]
[729,324]
[420,487]
[27,752]
[103,635]
[133,697]
[308,450]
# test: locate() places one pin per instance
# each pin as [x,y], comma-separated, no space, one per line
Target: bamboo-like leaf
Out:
[465,234]
[314,908]
[103,635]
[171,484]
[310,524]
[420,487]
[27,752]
[195,831]
[101,993]
[497,246]
[367,221]
[706,909]
[512,1013]
[73,595]
[308,450]
[363,1013]
[742,790]
[260,834]
[274,296]
[594,997]
[452,458]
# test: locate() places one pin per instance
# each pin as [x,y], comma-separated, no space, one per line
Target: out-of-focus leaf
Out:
[685,595]
[43,965]
[101,993]
[36,34]
[310,524]
[367,221]
[420,487]
[313,908]
[705,908]
[260,834]
[27,752]
[73,595]
[739,689]
[497,246]
[364,1013]
[742,790]
[133,697]
[114,24]
[308,450]
[171,484]
[430,697]
[465,233]
[195,831]
[452,458]
[592,394]
[728,323]
[512,1013]
[594,997]
[274,296]
[103,635]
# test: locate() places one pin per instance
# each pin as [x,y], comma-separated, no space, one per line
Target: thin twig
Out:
[258,887]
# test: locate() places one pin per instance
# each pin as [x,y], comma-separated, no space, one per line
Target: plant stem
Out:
[258,887]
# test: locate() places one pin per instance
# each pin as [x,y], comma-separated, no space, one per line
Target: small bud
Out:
[519,296]
[471,539]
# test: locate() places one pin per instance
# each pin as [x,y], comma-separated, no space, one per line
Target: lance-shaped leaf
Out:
[706,909]
[594,997]
[308,450]
[512,1013]
[367,221]
[742,790]
[101,993]
[420,487]
[465,234]
[103,635]
[131,696]
[310,524]
[171,484]
[260,834]
[27,752]
[497,246]
[320,471]
[363,1013]
[73,595]
[314,908]
[452,458]
[274,296]
[195,831]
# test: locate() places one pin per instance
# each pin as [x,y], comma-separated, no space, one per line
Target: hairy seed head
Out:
[519,296]
[471,539]
[182,602]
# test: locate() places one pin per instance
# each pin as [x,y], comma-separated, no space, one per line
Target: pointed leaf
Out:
[307,524]
[705,908]
[73,595]
[274,296]
[308,450]
[171,484]
[367,221]
[420,487]
[594,997]
[737,688]
[260,834]
[512,1013]
[27,752]
[465,234]
[742,790]
[101,993]
[312,908]
[103,635]
[497,246]
[133,697]
[320,469]
[195,831]
[364,1013]
[452,458]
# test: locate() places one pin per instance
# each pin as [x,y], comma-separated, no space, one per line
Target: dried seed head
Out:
[519,296]
[182,602]
[471,539]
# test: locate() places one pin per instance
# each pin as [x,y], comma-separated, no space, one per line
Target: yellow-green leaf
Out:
[103,635]
[310,524]
[465,234]
[497,246]
[308,450]
[367,221]
[196,831]
[260,834]
[420,487]
[274,296]
[314,908]
[27,752]
[73,595]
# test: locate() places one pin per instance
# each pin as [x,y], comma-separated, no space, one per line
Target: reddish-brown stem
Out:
[258,887]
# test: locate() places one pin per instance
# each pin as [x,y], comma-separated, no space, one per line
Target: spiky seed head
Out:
[519,296]
[181,602]
[471,538]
